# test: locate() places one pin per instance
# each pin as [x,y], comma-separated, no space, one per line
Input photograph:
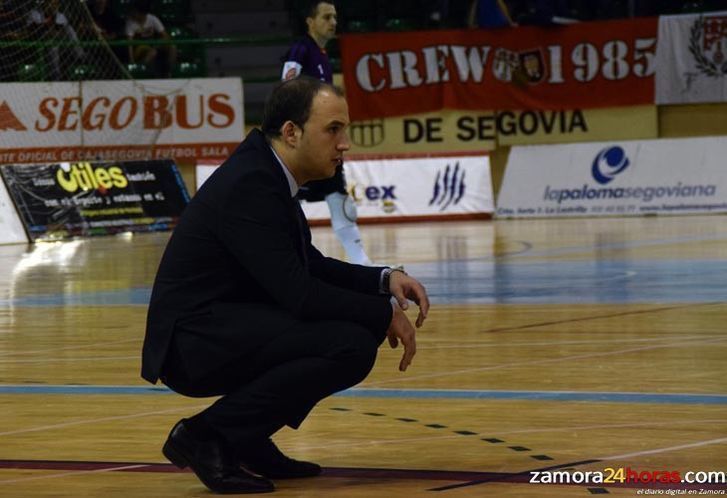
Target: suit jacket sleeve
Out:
[257,224]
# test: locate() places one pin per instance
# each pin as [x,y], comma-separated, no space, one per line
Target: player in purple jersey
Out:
[308,56]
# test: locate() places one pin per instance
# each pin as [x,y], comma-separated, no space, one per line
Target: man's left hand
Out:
[405,288]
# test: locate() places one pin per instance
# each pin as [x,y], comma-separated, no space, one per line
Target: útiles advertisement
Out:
[629,178]
[62,200]
[415,188]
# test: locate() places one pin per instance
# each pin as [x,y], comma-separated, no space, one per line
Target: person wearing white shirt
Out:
[143,25]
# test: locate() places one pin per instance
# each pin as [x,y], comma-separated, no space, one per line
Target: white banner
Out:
[425,187]
[624,178]
[11,228]
[183,119]
[691,59]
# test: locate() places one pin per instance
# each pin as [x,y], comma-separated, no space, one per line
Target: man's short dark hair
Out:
[311,8]
[291,101]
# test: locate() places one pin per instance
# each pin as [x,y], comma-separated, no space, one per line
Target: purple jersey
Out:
[306,57]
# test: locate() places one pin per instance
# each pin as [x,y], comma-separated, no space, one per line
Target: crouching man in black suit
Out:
[245,308]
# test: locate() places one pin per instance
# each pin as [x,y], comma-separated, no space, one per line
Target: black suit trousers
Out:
[280,381]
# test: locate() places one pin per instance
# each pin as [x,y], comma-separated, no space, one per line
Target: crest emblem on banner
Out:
[708,45]
[519,68]
[367,133]
[532,65]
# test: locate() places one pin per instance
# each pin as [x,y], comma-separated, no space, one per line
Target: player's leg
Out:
[343,220]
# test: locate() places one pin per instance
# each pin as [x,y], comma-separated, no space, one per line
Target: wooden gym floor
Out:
[572,345]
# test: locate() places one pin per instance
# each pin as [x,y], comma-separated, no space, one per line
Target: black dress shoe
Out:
[211,462]
[267,460]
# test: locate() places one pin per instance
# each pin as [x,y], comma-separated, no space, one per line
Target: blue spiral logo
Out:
[449,188]
[609,163]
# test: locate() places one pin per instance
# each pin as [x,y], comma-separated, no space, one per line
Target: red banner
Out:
[586,65]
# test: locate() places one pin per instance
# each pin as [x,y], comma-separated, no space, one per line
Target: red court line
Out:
[347,472]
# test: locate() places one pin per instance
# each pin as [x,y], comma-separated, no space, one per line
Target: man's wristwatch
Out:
[386,278]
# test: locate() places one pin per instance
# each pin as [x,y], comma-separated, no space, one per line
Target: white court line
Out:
[97,420]
[94,358]
[698,444]
[66,348]
[542,362]
[74,473]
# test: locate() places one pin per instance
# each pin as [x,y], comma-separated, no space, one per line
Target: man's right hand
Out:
[402,330]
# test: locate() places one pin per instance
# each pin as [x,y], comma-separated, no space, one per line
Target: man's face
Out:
[323,25]
[324,139]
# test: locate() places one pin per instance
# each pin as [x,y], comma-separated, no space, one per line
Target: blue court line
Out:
[612,397]
[606,281]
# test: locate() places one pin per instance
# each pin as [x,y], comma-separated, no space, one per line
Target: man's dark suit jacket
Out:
[241,262]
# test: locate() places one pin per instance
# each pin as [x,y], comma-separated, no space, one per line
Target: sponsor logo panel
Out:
[415,187]
[627,178]
[60,200]
[85,118]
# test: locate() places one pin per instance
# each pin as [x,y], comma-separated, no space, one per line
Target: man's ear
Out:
[290,133]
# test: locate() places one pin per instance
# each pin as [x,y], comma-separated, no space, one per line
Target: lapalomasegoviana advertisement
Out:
[642,177]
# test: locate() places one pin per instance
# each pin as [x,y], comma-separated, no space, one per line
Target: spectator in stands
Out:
[143,25]
[11,29]
[52,26]
[308,56]
[489,14]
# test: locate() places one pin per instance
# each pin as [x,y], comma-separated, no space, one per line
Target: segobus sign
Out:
[118,120]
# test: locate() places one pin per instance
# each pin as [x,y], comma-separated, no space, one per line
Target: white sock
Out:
[350,238]
[343,221]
